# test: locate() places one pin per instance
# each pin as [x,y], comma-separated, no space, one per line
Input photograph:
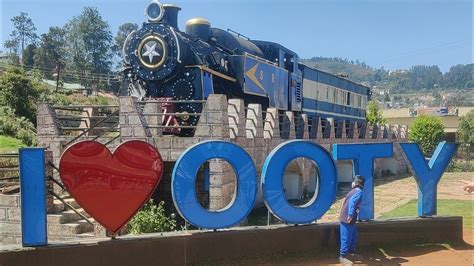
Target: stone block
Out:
[216,102]
[203,131]
[139,131]
[215,117]
[236,113]
[272,124]
[134,119]
[220,131]
[182,143]
[3,214]
[163,142]
[13,214]
[175,153]
[127,104]
[9,228]
[166,155]
[9,200]
[122,120]
[126,131]
[6,239]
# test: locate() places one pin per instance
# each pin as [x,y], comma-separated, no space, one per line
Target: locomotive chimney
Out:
[171,15]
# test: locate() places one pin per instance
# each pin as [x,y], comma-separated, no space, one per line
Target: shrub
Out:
[17,127]
[427,131]
[19,92]
[466,133]
[151,219]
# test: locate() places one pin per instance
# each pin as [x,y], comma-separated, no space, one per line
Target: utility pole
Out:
[58,70]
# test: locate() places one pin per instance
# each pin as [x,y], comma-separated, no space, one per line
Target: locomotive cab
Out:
[287,60]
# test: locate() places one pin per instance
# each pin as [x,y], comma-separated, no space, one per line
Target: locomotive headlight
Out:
[154,11]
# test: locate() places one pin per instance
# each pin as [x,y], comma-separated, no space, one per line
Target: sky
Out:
[395,34]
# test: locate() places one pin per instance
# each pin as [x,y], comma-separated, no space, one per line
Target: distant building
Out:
[74,87]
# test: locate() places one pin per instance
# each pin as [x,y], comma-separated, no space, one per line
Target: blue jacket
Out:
[351,206]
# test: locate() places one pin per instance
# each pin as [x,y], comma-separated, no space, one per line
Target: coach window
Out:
[327,93]
[348,98]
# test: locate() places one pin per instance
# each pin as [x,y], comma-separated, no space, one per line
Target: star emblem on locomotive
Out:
[151,52]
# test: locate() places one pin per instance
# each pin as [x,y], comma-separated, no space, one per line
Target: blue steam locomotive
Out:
[162,61]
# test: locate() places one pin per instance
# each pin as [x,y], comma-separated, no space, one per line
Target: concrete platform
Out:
[195,247]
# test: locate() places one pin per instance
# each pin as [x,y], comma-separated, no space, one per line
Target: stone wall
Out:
[10,225]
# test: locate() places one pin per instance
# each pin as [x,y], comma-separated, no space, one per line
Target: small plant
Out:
[152,219]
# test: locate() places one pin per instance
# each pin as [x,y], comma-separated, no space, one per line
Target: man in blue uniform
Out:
[347,218]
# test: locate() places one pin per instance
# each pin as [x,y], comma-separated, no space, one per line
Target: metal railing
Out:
[77,121]
[55,195]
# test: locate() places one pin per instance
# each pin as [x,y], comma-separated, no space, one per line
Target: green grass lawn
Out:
[10,145]
[462,208]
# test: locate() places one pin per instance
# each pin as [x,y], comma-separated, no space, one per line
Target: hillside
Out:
[417,78]
[356,71]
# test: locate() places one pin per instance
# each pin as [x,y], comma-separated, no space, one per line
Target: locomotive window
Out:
[289,63]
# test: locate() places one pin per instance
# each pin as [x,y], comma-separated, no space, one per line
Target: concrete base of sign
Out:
[192,247]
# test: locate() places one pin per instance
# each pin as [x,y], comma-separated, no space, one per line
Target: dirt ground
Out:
[389,194]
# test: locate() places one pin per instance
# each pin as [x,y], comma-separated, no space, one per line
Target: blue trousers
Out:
[348,238]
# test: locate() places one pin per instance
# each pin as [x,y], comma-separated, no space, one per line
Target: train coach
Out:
[161,61]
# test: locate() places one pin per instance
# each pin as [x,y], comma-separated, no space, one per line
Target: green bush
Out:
[17,127]
[19,92]
[152,219]
[427,131]
[460,166]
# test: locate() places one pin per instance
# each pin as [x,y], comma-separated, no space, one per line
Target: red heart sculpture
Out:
[111,187]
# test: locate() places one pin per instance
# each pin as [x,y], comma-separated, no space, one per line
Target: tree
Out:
[28,55]
[24,31]
[466,133]
[123,31]
[89,44]
[51,51]
[427,131]
[374,114]
[459,77]
[18,92]
[387,98]
[12,46]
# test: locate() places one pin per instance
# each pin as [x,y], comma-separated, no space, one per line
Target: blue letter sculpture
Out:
[184,179]
[363,156]
[427,175]
[273,172]
[33,197]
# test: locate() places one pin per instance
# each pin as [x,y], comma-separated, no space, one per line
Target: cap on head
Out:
[359,180]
